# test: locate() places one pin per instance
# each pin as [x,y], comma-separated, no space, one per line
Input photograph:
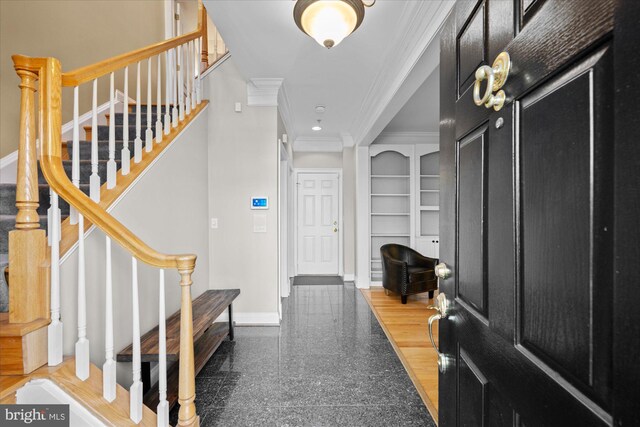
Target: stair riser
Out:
[103,133]
[143,108]
[8,195]
[85,170]
[132,118]
[103,150]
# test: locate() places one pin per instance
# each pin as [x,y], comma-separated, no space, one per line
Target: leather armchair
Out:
[406,272]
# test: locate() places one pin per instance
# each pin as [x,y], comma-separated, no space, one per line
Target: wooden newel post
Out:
[27,179]
[27,243]
[187,379]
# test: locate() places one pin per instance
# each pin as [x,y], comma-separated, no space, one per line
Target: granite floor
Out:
[328,364]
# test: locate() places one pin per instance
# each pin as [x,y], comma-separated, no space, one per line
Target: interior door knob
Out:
[442,306]
[442,271]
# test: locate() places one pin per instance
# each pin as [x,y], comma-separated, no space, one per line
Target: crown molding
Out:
[408,138]
[318,144]
[263,92]
[421,22]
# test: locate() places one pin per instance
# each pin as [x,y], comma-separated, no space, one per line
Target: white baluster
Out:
[54,330]
[135,391]
[109,366]
[94,179]
[188,74]
[125,156]
[111,164]
[163,405]
[148,140]
[168,92]
[75,153]
[159,131]
[82,345]
[174,84]
[137,143]
[181,105]
[192,76]
[198,67]
[180,66]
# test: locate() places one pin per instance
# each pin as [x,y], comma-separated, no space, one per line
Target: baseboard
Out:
[362,283]
[349,278]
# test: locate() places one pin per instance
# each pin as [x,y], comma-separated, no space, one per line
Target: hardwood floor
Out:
[406,328]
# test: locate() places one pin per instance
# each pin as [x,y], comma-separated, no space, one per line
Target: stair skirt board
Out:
[46,392]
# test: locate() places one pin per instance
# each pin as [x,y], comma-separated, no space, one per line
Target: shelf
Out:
[390,195]
[390,176]
[390,235]
[390,214]
[429,208]
[429,176]
[429,191]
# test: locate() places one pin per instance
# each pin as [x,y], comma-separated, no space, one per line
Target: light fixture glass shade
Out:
[329,21]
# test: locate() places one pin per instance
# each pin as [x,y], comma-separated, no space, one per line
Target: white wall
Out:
[317,160]
[243,162]
[167,208]
[349,220]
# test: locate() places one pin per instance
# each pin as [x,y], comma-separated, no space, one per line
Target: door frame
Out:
[338,171]
[285,198]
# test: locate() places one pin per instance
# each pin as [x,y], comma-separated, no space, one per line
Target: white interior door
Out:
[318,223]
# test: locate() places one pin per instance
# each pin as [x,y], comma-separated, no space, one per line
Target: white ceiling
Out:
[355,80]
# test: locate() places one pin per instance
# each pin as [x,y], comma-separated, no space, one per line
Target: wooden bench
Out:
[207,337]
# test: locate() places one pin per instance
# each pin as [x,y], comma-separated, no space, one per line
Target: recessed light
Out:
[316,128]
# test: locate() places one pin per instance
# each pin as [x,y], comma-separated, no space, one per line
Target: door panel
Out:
[472,286]
[527,218]
[471,52]
[566,222]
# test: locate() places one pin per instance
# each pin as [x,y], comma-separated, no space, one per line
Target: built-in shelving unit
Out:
[391,202]
[428,201]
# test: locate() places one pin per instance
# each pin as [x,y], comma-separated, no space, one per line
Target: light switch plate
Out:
[259,223]
[238,107]
[214,222]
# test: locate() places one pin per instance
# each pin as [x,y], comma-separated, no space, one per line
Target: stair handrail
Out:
[51,80]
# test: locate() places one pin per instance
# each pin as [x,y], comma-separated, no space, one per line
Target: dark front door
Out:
[537,207]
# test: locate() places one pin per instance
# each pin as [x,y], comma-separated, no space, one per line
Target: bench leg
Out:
[145,373]
[230,322]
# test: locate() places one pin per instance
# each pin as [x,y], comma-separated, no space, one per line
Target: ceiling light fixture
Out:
[329,21]
[317,127]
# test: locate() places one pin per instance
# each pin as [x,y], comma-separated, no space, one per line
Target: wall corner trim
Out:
[263,92]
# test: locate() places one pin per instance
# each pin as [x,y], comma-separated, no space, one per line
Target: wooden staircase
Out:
[31,332]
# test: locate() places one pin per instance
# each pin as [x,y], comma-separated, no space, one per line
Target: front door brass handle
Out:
[442,306]
[496,76]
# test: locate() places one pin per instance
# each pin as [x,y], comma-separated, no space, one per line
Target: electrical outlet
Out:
[214,222]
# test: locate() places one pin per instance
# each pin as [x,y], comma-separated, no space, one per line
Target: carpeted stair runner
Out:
[8,191]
